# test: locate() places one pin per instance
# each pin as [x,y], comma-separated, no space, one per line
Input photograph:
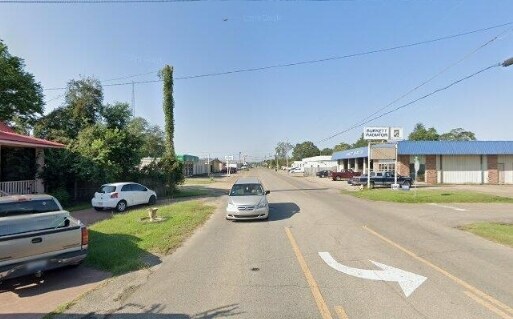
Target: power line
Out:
[352,55]
[413,101]
[466,56]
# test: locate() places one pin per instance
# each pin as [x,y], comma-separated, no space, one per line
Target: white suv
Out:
[122,195]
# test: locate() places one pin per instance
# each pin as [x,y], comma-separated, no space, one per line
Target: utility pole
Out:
[369,165]
[133,99]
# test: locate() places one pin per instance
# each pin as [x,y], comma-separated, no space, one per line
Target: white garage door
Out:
[461,169]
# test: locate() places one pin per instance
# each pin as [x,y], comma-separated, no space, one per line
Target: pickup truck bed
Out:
[34,237]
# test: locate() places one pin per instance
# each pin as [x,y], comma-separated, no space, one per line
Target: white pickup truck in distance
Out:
[36,235]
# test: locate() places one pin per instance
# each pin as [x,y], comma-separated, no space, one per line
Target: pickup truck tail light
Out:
[85,236]
[114,195]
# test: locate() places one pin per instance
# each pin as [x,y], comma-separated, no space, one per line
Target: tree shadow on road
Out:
[155,311]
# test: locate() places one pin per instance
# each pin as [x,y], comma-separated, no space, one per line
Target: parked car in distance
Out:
[224,170]
[37,235]
[382,179]
[297,170]
[247,200]
[346,174]
[119,196]
[324,173]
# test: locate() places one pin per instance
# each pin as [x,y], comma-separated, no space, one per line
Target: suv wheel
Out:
[152,200]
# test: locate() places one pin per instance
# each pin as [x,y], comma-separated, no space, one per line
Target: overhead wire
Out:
[352,55]
[466,56]
[413,101]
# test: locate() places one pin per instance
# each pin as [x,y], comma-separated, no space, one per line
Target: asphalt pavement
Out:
[325,255]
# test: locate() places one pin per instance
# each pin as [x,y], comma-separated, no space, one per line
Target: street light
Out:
[507,62]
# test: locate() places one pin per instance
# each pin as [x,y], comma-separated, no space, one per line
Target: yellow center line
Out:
[457,280]
[341,313]
[487,305]
[314,288]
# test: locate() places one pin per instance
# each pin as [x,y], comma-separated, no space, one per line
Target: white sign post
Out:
[417,167]
[228,168]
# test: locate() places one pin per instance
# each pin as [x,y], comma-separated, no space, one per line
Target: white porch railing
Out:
[19,187]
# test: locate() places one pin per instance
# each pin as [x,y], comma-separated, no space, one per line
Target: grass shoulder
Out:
[500,233]
[126,241]
[427,196]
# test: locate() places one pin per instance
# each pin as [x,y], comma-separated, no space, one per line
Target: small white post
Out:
[368,165]
[395,167]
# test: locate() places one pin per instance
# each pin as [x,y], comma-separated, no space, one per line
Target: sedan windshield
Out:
[246,190]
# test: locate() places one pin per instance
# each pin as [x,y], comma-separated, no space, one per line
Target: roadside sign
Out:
[376,133]
[228,158]
[396,133]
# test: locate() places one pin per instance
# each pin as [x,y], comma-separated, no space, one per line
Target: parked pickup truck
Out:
[36,235]
[346,174]
[381,179]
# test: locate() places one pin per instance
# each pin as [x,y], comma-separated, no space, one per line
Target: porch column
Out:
[356,165]
[40,163]
[364,166]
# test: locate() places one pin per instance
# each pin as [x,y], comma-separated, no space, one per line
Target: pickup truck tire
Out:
[338,178]
[121,206]
[98,209]
[152,200]
[406,183]
[371,185]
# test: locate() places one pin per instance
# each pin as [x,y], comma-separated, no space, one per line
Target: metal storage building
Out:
[449,162]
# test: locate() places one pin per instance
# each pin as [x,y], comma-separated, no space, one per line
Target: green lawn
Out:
[199,181]
[123,243]
[428,196]
[190,191]
[78,206]
[500,233]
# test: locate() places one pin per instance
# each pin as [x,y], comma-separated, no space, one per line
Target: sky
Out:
[250,112]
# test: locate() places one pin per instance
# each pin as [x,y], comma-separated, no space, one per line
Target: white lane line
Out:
[448,207]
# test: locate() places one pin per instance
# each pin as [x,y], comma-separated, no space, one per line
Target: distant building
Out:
[440,162]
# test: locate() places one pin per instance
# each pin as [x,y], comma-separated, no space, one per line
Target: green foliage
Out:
[360,142]
[116,115]
[168,105]
[304,150]
[84,99]
[420,133]
[83,108]
[458,134]
[62,196]
[283,148]
[341,147]
[326,151]
[114,151]
[151,135]
[21,97]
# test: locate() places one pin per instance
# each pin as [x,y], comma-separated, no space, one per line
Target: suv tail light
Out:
[85,236]
[114,195]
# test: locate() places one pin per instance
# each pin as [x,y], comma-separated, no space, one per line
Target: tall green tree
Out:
[116,115]
[84,98]
[21,97]
[169,162]
[341,147]
[458,134]
[168,105]
[420,133]
[151,135]
[361,142]
[304,150]
[83,108]
[326,151]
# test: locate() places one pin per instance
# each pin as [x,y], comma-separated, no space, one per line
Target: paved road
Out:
[273,269]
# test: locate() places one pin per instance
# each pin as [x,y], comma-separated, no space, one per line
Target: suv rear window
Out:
[105,189]
[28,207]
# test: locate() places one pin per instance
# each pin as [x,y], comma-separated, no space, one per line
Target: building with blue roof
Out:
[441,162]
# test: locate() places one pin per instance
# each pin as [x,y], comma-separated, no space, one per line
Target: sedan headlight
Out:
[262,204]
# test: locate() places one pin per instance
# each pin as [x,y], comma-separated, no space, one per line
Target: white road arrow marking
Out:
[407,281]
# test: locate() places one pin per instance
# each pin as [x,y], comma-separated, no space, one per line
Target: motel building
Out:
[441,162]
